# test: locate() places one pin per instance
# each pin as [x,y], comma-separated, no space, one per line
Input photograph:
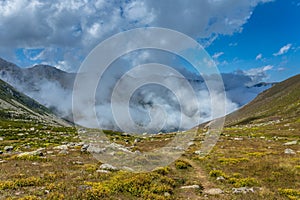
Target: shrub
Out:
[243,182]
[217,173]
[290,193]
[181,164]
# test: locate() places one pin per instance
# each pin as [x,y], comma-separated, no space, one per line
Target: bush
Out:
[181,164]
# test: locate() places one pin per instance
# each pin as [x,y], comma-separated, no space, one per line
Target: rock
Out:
[8,148]
[108,167]
[199,152]
[127,169]
[3,161]
[1,152]
[243,190]
[167,194]
[103,171]
[1,139]
[61,147]
[78,163]
[289,151]
[31,153]
[63,152]
[84,147]
[190,187]
[238,139]
[137,140]
[191,143]
[220,178]
[93,149]
[291,143]
[213,191]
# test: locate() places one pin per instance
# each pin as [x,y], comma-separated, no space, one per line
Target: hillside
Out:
[15,106]
[281,102]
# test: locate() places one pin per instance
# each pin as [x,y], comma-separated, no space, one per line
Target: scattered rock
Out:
[78,163]
[291,143]
[213,191]
[1,139]
[84,147]
[3,161]
[84,187]
[37,152]
[137,140]
[93,149]
[220,178]
[238,139]
[1,152]
[191,143]
[63,152]
[289,151]
[167,194]
[108,167]
[103,171]
[190,187]
[61,147]
[243,190]
[8,148]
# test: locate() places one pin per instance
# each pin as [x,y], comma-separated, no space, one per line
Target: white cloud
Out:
[283,50]
[258,57]
[258,74]
[74,27]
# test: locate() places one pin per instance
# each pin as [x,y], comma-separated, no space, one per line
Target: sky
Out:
[258,38]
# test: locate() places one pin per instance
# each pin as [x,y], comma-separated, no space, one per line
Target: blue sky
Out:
[271,27]
[254,37]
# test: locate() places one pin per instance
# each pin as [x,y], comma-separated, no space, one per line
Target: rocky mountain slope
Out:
[16,106]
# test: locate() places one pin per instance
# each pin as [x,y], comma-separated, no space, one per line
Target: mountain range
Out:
[37,81]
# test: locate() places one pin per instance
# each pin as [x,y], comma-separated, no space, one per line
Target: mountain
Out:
[15,106]
[31,77]
[280,102]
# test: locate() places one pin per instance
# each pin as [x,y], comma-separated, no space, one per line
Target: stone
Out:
[291,143]
[103,171]
[108,167]
[213,191]
[137,140]
[191,143]
[1,139]
[243,190]
[238,139]
[84,147]
[8,148]
[63,152]
[289,151]
[190,187]
[61,147]
[167,194]
[220,178]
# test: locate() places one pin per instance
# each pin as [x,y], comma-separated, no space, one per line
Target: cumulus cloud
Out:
[257,74]
[283,50]
[68,30]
